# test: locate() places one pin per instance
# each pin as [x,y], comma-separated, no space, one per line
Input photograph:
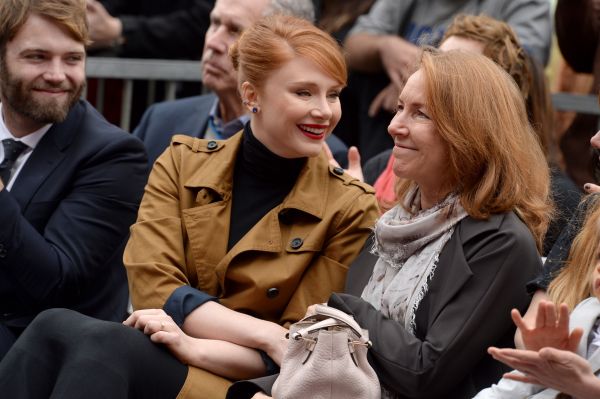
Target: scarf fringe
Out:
[412,312]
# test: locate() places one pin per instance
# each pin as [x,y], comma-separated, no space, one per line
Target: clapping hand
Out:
[551,328]
[562,370]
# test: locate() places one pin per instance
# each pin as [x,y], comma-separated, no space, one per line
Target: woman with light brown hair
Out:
[497,41]
[492,173]
[470,165]
[451,260]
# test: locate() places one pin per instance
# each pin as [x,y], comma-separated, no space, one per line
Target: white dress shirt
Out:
[32,140]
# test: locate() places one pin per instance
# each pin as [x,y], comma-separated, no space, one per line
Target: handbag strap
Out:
[326,323]
[334,317]
[340,316]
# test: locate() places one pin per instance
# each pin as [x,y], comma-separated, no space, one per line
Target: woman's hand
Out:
[562,370]
[104,29]
[354,168]
[398,57]
[163,330]
[551,328]
[261,395]
[591,188]
[387,99]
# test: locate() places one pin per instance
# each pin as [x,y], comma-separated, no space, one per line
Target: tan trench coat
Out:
[300,250]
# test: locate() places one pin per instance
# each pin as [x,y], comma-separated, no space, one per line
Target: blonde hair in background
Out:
[275,40]
[502,46]
[496,164]
[572,284]
[68,13]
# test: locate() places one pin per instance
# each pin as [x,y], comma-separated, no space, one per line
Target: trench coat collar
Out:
[309,194]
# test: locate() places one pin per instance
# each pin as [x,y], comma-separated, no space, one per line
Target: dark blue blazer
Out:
[190,116]
[65,221]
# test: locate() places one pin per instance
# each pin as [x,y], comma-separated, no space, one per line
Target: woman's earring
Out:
[254,110]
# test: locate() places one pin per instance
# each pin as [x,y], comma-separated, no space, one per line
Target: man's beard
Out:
[18,96]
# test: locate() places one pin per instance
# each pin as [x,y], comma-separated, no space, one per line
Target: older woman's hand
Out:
[163,330]
[551,328]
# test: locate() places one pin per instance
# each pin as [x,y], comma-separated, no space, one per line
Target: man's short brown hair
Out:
[67,13]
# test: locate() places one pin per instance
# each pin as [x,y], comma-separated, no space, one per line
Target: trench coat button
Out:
[296,243]
[212,145]
[338,171]
[272,292]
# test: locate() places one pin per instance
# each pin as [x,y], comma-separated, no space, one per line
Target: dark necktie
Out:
[12,150]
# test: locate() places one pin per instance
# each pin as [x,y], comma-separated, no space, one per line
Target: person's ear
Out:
[250,97]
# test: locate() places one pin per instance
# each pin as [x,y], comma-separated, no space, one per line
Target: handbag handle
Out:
[326,323]
[334,317]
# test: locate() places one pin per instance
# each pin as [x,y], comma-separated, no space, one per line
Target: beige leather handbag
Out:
[326,358]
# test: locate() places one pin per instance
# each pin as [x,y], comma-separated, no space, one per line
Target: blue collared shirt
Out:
[219,130]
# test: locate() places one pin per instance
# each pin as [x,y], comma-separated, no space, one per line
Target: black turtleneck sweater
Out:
[261,180]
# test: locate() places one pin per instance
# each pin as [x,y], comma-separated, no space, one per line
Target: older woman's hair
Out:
[496,164]
[275,40]
[572,284]
[68,13]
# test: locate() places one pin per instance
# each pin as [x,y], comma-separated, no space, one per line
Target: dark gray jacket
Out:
[480,277]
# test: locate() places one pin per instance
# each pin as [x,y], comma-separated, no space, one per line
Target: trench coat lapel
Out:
[304,198]
[214,189]
[211,209]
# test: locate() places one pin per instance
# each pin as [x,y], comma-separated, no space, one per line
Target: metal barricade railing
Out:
[172,72]
[584,104]
[130,69]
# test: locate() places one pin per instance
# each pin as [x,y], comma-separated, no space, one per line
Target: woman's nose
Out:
[397,126]
[322,109]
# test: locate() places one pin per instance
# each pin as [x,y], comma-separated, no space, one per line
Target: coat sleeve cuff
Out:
[183,301]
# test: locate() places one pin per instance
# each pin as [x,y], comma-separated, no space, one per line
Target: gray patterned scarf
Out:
[408,245]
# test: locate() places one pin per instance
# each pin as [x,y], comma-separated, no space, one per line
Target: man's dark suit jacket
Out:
[64,223]
[190,116]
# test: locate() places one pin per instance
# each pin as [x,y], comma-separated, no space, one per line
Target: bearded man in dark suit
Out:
[70,182]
